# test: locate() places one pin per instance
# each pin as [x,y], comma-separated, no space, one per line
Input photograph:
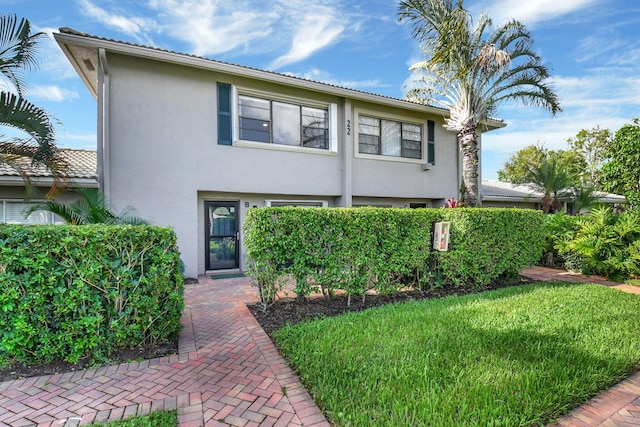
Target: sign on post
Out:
[441,236]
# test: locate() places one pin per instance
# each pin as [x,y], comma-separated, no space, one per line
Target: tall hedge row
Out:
[354,249]
[70,292]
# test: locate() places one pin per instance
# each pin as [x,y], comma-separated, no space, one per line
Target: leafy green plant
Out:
[91,208]
[357,249]
[68,293]
[609,243]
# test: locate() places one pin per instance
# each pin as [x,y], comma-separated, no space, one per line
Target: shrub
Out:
[385,249]
[83,292]
[608,244]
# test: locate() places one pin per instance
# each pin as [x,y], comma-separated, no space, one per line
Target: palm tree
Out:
[92,208]
[469,69]
[550,180]
[17,54]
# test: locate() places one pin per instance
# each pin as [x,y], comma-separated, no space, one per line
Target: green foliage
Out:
[520,356]
[608,243]
[17,54]
[155,419]
[559,228]
[551,180]
[355,249]
[91,208]
[591,145]
[620,174]
[517,168]
[470,67]
[83,292]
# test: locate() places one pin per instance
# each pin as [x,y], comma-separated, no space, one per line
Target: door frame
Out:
[207,236]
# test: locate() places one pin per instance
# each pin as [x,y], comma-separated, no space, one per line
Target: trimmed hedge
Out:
[73,292]
[354,249]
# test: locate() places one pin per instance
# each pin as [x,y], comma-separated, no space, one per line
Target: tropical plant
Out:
[91,208]
[621,172]
[551,180]
[470,68]
[17,54]
[609,243]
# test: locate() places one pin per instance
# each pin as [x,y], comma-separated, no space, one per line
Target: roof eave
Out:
[66,39]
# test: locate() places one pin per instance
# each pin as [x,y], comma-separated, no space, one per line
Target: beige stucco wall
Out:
[165,160]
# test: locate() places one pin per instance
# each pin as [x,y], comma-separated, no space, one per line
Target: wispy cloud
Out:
[291,29]
[531,12]
[317,29]
[51,93]
[325,77]
[602,97]
[136,27]
[211,27]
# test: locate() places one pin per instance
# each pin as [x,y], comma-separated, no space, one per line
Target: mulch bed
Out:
[286,311]
[290,311]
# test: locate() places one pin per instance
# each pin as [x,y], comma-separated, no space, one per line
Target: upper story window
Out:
[389,137]
[275,122]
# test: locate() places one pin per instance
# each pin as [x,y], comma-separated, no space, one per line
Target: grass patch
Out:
[634,282]
[518,356]
[155,419]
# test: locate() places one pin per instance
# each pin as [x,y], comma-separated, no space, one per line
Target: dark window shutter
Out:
[431,142]
[224,114]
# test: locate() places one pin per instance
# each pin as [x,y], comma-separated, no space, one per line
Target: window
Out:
[275,122]
[297,203]
[389,138]
[13,213]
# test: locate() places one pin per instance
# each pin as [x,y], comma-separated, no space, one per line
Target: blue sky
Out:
[591,46]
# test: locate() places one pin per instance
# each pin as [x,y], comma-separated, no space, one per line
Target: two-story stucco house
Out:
[193,143]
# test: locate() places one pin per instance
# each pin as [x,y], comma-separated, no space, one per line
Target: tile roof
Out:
[499,189]
[81,164]
[71,31]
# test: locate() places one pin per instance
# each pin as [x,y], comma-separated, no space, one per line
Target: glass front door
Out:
[222,235]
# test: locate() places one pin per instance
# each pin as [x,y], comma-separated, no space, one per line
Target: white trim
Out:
[323,203]
[357,112]
[332,110]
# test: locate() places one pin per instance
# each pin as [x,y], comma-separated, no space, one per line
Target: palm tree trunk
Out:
[470,162]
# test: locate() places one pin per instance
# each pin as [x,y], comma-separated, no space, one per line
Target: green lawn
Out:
[514,357]
[155,419]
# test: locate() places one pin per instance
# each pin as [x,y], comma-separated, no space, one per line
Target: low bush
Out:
[69,292]
[605,243]
[356,249]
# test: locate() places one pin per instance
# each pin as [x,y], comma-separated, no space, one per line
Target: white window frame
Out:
[306,203]
[3,216]
[357,112]
[332,109]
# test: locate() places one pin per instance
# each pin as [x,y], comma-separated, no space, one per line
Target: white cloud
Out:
[50,93]
[316,30]
[324,77]
[531,12]
[213,26]
[52,59]
[136,27]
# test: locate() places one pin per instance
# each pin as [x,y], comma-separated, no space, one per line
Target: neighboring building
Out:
[81,172]
[506,195]
[193,143]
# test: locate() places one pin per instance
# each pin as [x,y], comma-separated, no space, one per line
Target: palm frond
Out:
[17,49]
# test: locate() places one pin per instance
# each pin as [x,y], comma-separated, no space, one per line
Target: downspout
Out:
[104,170]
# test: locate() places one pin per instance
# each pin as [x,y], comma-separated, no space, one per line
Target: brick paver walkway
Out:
[620,405]
[227,372]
